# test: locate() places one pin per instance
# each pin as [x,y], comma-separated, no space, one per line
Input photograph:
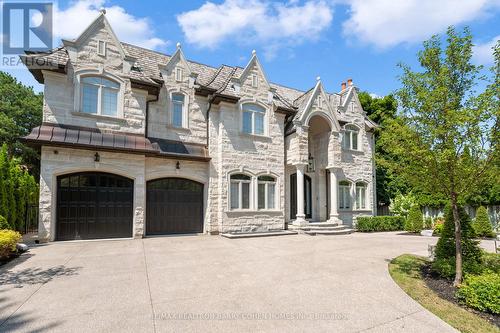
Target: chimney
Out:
[349,82]
[343,86]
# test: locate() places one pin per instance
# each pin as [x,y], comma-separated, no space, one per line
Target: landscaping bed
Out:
[410,273]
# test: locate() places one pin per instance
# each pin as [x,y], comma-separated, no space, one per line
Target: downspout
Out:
[210,101]
[146,126]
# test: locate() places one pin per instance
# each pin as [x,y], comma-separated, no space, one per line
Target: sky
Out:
[296,41]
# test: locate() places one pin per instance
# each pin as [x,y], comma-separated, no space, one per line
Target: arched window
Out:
[240,191]
[99,96]
[177,110]
[253,119]
[266,192]
[360,195]
[350,140]
[344,195]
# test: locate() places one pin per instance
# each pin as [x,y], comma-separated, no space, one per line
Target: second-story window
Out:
[351,136]
[99,96]
[253,119]
[178,110]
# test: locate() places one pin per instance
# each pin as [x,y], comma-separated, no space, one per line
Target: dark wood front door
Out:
[174,206]
[92,205]
[307,196]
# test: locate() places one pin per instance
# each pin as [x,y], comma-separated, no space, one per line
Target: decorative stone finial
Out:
[254,52]
[318,78]
[103,10]
[178,45]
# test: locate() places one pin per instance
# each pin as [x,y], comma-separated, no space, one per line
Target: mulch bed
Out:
[13,256]
[444,288]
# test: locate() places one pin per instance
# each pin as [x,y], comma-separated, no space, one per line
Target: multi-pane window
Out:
[177,110]
[350,140]
[99,96]
[344,195]
[240,191]
[101,48]
[266,190]
[253,119]
[360,195]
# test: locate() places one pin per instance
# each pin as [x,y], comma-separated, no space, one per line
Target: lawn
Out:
[406,271]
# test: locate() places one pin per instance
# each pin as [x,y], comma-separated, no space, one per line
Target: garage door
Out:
[174,206]
[94,205]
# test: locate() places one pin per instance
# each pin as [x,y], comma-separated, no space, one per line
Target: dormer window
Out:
[178,74]
[255,81]
[99,96]
[351,137]
[177,110]
[253,119]
[101,48]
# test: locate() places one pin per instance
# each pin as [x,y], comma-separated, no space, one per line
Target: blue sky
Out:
[296,41]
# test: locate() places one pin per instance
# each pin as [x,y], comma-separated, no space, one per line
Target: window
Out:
[240,191]
[255,81]
[350,140]
[253,119]
[101,48]
[360,195]
[178,74]
[177,110]
[266,192]
[344,195]
[99,96]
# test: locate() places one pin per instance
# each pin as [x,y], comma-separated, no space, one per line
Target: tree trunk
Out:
[458,241]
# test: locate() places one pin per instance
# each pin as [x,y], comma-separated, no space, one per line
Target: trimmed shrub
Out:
[491,262]
[8,241]
[3,223]
[482,226]
[481,292]
[428,223]
[444,264]
[415,220]
[379,223]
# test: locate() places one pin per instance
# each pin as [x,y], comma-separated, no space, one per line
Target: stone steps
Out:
[322,228]
[258,234]
[344,231]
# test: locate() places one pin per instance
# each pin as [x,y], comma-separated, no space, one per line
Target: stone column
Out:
[301,217]
[334,214]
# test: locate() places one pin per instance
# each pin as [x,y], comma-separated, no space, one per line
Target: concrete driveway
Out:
[209,283]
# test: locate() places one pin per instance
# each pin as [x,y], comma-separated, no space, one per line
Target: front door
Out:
[307,196]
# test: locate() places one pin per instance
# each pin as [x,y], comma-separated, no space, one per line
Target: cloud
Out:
[385,23]
[256,21]
[69,23]
[483,53]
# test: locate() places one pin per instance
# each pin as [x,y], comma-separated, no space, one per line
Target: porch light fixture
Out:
[178,165]
[97,158]
[310,164]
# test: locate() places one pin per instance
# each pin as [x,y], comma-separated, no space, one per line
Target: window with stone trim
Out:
[99,95]
[351,138]
[177,107]
[253,119]
[360,195]
[239,191]
[344,195]
[266,192]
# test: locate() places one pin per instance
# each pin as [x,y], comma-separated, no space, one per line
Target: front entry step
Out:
[322,228]
[344,231]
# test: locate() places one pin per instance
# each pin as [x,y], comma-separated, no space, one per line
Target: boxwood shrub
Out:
[380,223]
[8,241]
[481,292]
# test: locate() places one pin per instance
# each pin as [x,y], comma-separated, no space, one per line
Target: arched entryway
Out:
[93,205]
[174,206]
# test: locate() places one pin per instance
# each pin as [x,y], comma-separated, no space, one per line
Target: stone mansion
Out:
[135,143]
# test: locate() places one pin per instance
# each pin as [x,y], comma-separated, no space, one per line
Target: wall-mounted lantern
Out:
[97,157]
[178,165]
[310,164]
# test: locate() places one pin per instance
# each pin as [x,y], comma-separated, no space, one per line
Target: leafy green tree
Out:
[20,111]
[415,220]
[4,169]
[445,137]
[481,224]
[402,204]
[445,263]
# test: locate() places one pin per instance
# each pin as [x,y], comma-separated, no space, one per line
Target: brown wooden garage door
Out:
[94,205]
[174,206]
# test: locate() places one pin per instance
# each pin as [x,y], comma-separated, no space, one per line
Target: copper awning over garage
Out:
[95,139]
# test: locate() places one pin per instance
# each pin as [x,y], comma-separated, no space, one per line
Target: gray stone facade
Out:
[299,127]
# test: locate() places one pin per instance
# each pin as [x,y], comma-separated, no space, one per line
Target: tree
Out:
[445,137]
[415,220]
[482,226]
[20,111]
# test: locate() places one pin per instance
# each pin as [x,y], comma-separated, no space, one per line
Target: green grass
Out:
[406,271]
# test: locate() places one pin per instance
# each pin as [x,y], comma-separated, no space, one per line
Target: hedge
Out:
[8,241]
[380,223]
